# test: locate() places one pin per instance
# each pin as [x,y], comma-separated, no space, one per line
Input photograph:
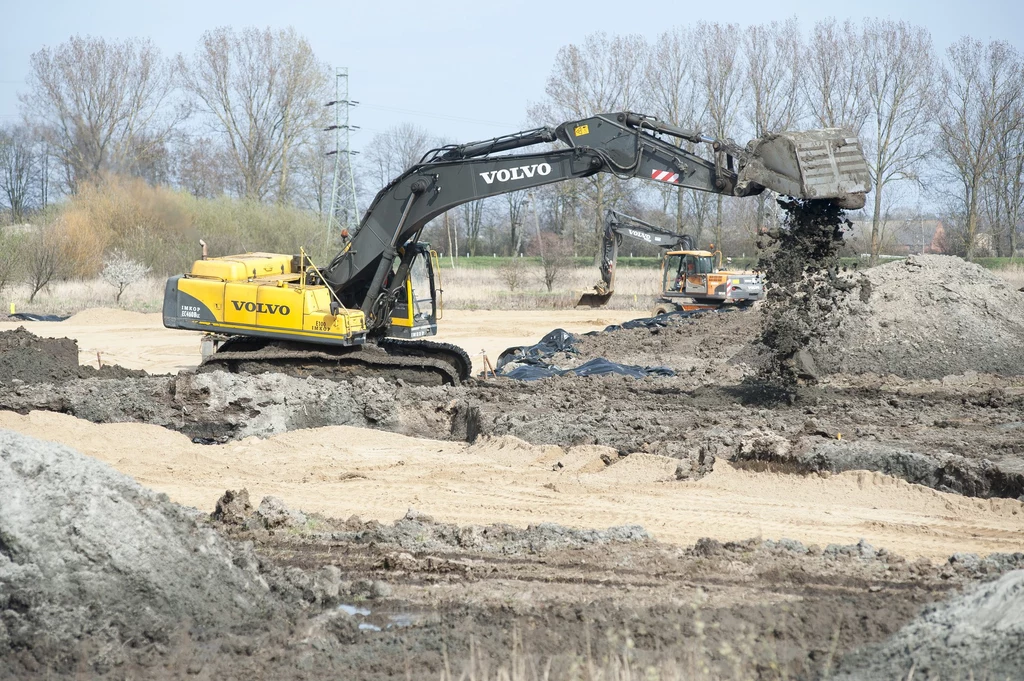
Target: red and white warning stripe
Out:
[665,176]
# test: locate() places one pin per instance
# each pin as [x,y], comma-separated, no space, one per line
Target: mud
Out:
[26,359]
[800,262]
[462,600]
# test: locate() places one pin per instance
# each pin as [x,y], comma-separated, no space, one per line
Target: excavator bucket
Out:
[816,164]
[593,299]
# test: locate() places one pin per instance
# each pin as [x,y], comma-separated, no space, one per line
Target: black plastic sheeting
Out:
[599,366]
[558,340]
[661,320]
[533,364]
[29,317]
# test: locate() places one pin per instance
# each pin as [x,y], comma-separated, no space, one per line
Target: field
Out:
[700,525]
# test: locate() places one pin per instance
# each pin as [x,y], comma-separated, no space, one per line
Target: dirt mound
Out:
[977,635]
[27,358]
[927,317]
[701,347]
[96,570]
[108,316]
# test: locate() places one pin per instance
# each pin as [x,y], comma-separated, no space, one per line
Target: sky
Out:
[462,70]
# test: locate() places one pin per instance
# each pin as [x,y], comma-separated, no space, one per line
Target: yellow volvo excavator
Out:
[691,279]
[366,311]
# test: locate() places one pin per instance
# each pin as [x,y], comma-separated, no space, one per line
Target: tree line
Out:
[947,128]
[243,116]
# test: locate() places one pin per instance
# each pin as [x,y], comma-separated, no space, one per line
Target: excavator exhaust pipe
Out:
[816,164]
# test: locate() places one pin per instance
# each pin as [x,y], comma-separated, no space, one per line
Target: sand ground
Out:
[139,341]
[341,471]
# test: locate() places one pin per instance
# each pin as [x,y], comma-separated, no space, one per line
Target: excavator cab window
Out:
[703,264]
[415,311]
[675,272]
[682,265]
[422,288]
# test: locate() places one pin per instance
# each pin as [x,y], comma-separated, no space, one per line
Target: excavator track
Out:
[415,362]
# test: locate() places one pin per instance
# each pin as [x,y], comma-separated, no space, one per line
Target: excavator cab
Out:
[685,271]
[694,276]
[418,306]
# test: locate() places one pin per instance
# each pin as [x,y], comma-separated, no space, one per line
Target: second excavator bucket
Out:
[816,164]
[593,299]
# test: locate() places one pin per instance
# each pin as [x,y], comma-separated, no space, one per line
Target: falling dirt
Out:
[800,262]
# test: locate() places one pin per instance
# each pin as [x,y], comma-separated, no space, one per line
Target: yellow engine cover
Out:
[257,294]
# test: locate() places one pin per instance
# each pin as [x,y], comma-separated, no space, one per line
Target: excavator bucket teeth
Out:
[816,164]
[593,300]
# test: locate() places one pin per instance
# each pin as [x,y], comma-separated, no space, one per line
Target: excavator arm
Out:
[625,144]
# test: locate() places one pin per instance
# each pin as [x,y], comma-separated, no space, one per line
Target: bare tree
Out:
[11,255]
[45,258]
[200,168]
[676,97]
[555,256]
[472,217]
[18,166]
[101,105]
[517,203]
[263,93]
[722,76]
[601,74]
[981,86]
[1005,182]
[392,152]
[899,78]
[833,80]
[772,72]
[513,273]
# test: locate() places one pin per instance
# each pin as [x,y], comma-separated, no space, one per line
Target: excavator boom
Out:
[626,144]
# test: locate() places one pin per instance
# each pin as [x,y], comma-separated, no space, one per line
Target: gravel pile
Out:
[977,635]
[926,317]
[96,570]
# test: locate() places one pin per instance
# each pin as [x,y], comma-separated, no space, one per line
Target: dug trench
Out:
[961,434]
[269,592]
